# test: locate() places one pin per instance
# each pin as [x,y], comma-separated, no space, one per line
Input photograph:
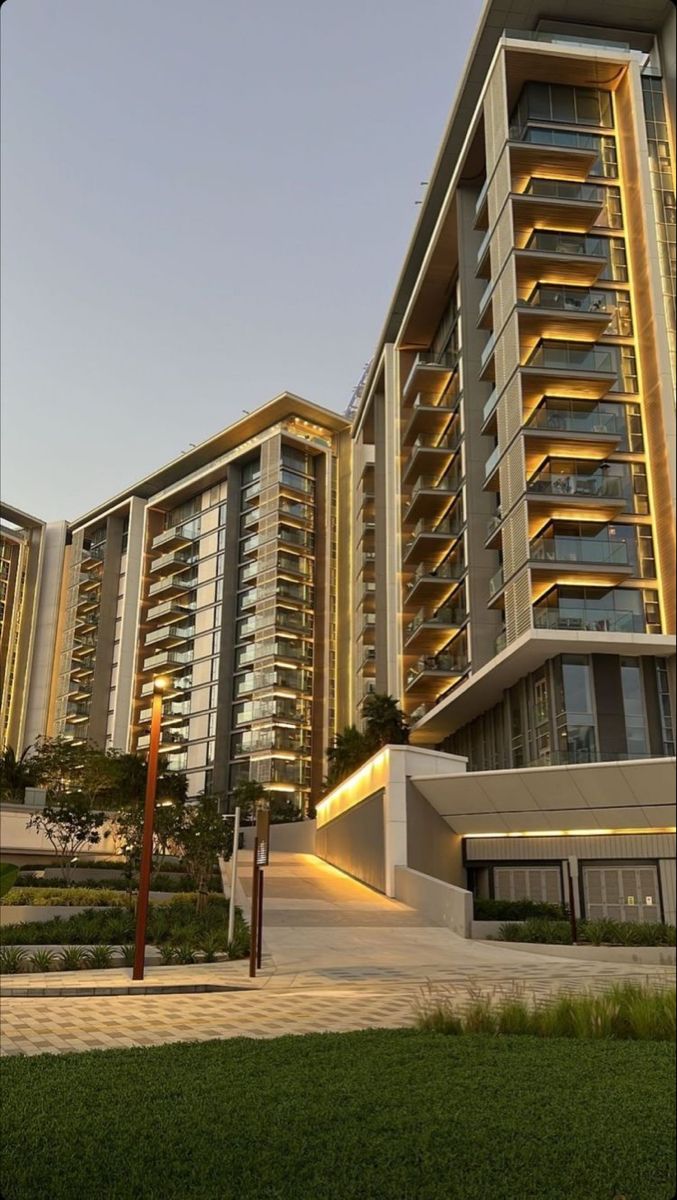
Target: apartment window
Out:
[663,688]
[563,104]
[296,458]
[251,471]
[612,213]
[633,707]
[577,735]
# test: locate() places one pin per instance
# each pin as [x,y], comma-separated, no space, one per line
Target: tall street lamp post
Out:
[160,686]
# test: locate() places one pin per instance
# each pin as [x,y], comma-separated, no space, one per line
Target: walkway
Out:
[337,956]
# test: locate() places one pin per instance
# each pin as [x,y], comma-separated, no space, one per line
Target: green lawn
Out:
[378,1115]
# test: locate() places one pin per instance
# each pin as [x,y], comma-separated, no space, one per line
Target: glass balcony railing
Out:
[490,404]
[501,642]
[485,295]
[184,583]
[496,582]
[598,620]
[565,189]
[572,356]
[487,351]
[571,420]
[598,485]
[492,462]
[493,523]
[562,549]
[574,300]
[551,242]
[481,249]
[437,664]
[447,618]
[167,658]
[482,196]
[432,441]
[565,39]
[431,483]
[444,571]
[181,632]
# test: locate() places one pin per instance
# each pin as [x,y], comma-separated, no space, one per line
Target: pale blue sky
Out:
[203,204]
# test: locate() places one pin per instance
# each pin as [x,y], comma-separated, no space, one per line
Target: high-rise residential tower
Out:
[514,445]
[220,571]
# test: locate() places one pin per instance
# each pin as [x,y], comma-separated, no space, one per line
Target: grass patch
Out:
[377,1115]
[8,873]
[628,1011]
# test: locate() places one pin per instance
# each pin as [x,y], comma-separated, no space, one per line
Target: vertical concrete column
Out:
[105,647]
[224,701]
[130,625]
[395,816]
[390,679]
[322,631]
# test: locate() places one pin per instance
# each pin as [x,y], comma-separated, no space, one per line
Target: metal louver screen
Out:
[543,884]
[622,893]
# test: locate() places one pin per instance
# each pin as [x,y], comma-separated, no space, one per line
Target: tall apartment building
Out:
[32,556]
[220,571]
[514,446]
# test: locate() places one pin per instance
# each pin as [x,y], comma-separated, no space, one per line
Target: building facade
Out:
[490,538]
[219,571]
[514,446]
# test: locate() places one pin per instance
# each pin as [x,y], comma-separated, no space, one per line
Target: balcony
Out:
[432,582]
[567,492]
[169,740]
[170,635]
[168,660]
[571,158]
[172,712]
[295,537]
[487,371]
[561,204]
[575,369]
[429,540]
[79,690]
[173,585]
[87,603]
[430,451]
[430,496]
[426,633]
[599,620]
[427,418]
[567,557]
[368,629]
[92,557]
[172,563]
[555,256]
[483,267]
[490,468]
[168,611]
[177,536]
[481,206]
[501,642]
[496,583]
[429,375]
[367,664]
[368,566]
[76,713]
[559,426]
[573,312]
[84,646]
[89,583]
[431,670]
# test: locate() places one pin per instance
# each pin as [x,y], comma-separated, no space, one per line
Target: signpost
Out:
[233,876]
[260,860]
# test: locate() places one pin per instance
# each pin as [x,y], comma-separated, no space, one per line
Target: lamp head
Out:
[161,683]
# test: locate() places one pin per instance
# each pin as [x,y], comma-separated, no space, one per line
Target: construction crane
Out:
[357,391]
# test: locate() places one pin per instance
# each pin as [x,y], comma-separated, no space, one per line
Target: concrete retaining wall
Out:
[444,903]
[296,837]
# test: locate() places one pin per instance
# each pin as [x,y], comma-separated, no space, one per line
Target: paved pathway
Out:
[336,956]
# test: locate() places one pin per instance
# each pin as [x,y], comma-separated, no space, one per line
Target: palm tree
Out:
[16,774]
[385,723]
[350,749]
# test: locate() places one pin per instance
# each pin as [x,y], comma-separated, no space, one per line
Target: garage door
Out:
[622,892]
[528,883]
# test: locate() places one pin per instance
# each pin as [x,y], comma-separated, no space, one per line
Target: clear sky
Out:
[203,204]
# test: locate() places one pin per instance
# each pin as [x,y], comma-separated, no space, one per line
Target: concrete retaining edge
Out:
[444,903]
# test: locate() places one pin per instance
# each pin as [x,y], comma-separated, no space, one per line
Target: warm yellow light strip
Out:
[574,832]
[354,789]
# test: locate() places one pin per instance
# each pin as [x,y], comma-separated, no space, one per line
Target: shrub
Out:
[43,960]
[538,929]
[167,954]
[625,1011]
[100,957]
[73,958]
[12,959]
[70,896]
[515,910]
[210,943]
[128,951]
[184,953]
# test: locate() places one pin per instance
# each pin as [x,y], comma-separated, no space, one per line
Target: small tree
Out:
[385,723]
[68,825]
[16,774]
[350,749]
[203,837]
